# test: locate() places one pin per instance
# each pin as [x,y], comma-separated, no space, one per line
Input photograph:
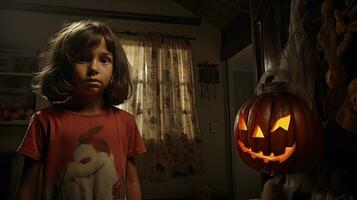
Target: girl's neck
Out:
[86,105]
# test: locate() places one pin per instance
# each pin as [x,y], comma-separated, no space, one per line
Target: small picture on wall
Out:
[17,60]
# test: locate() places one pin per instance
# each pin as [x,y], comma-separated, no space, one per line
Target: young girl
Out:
[85,145]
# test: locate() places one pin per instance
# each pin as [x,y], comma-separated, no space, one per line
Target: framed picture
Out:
[17,60]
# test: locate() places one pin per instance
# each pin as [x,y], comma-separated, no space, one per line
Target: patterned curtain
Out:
[164,105]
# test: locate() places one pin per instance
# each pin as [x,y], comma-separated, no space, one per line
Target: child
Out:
[85,145]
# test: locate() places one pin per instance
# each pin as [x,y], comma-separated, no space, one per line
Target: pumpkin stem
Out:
[271,82]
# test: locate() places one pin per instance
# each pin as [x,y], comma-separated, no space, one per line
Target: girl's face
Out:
[92,71]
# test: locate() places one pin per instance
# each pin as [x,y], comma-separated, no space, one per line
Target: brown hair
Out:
[54,82]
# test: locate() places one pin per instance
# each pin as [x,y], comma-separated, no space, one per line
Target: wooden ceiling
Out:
[216,12]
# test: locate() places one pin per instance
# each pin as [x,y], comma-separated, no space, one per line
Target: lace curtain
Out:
[163,102]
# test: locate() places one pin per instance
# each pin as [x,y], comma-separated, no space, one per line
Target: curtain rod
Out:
[65,10]
[162,34]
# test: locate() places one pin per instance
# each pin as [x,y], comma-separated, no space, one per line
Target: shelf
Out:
[16,74]
[14,122]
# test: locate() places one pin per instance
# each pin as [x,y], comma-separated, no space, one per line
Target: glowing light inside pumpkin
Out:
[258,133]
[283,123]
[241,124]
[281,158]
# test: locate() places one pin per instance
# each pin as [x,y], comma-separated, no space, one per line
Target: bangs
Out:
[89,39]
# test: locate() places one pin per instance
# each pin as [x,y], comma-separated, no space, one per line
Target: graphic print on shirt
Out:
[91,174]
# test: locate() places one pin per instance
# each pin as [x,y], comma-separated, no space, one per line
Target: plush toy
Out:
[92,170]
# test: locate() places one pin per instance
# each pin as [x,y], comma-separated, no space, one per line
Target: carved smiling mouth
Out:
[281,158]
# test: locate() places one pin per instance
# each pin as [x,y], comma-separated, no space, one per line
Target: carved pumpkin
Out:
[277,133]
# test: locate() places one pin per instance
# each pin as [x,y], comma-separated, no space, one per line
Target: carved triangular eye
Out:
[241,124]
[258,133]
[282,122]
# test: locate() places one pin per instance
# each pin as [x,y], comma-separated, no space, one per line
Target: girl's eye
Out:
[105,60]
[82,59]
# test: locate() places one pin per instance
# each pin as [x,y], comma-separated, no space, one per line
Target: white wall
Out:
[243,60]
[30,29]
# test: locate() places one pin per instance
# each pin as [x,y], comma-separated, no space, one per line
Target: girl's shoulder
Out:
[121,113]
[47,111]
[44,111]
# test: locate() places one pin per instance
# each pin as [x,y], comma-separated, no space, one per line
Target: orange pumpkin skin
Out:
[277,133]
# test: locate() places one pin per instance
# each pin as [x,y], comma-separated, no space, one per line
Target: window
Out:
[163,102]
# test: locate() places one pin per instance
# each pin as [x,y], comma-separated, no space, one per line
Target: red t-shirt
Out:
[84,155]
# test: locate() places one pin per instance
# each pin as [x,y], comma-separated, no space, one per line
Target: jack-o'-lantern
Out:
[277,133]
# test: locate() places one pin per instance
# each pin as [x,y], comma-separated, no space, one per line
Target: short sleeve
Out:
[136,144]
[32,144]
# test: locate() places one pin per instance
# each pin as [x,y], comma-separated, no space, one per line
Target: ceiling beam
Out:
[65,10]
[235,36]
